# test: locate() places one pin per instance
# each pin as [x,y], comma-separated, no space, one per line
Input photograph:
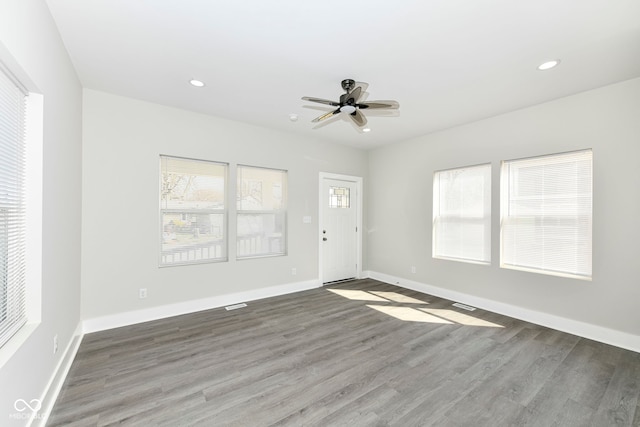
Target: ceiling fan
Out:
[351,103]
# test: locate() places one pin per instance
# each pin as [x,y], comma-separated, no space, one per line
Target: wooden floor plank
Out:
[621,397]
[343,355]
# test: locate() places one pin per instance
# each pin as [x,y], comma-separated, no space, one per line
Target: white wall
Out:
[122,141]
[607,120]
[28,33]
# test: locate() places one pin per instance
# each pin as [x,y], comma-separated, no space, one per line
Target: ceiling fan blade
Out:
[355,94]
[328,121]
[382,112]
[358,118]
[321,101]
[362,85]
[326,116]
[394,105]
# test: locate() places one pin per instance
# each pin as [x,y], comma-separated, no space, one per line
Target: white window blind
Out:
[262,212]
[546,207]
[193,211]
[12,206]
[462,214]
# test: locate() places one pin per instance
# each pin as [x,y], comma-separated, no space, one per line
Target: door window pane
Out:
[339,197]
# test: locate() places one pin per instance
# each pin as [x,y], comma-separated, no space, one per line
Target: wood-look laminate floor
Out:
[361,353]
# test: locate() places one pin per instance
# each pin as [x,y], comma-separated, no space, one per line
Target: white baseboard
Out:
[575,327]
[161,312]
[57,379]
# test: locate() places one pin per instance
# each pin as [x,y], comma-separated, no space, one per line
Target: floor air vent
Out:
[463,306]
[235,306]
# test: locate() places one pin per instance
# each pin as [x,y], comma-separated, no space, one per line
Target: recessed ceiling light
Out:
[293,117]
[548,65]
[366,130]
[196,83]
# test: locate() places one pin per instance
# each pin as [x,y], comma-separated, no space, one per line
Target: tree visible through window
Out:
[193,211]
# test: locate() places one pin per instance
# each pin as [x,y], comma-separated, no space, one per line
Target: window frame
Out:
[276,212]
[505,218]
[486,219]
[201,211]
[17,258]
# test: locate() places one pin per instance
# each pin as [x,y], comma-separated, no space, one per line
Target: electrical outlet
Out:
[413,269]
[294,271]
[142,293]
[55,344]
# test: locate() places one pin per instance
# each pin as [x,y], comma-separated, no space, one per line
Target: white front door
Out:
[339,233]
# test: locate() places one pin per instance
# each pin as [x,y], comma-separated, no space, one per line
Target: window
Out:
[339,197]
[462,214]
[193,211]
[546,214]
[262,212]
[13,104]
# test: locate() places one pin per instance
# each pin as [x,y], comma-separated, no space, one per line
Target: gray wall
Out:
[28,32]
[109,169]
[122,141]
[399,209]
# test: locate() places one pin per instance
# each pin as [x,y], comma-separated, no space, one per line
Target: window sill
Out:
[468,261]
[546,272]
[16,342]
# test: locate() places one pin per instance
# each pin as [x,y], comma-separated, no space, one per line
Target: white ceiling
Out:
[447,62]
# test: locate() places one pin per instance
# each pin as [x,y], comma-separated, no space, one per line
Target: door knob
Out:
[324,239]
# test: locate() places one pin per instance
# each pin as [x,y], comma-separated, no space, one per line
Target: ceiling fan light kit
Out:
[351,103]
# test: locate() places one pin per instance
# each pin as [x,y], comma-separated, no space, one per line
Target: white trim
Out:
[34,149]
[34,195]
[586,330]
[154,313]
[59,375]
[360,208]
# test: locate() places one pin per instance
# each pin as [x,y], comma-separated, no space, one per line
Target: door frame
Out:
[359,209]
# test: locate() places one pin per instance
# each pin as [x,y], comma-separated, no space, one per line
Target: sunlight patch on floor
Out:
[409,314]
[396,297]
[357,295]
[461,318]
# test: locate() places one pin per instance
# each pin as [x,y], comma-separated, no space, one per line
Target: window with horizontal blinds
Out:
[12,206]
[193,211]
[462,214]
[546,214]
[261,212]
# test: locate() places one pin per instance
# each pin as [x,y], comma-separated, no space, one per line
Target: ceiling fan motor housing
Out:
[348,84]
